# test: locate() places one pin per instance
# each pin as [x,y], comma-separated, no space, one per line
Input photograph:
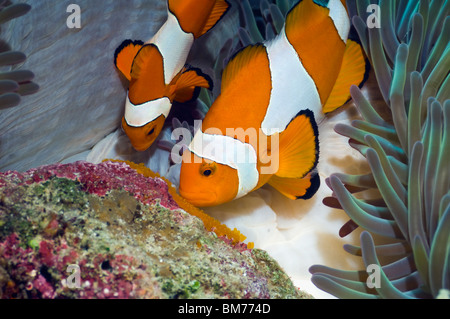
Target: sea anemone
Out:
[408,155]
[13,83]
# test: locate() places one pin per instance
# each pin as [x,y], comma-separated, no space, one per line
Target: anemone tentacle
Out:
[409,157]
[13,83]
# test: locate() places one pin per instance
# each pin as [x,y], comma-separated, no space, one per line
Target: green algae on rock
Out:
[119,246]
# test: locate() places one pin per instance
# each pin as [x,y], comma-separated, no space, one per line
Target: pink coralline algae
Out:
[98,179]
[105,231]
[27,265]
[32,274]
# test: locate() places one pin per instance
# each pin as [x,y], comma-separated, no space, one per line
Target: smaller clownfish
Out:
[271,96]
[156,69]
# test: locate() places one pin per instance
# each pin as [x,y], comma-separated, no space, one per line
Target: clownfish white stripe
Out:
[139,115]
[171,36]
[339,15]
[282,107]
[226,150]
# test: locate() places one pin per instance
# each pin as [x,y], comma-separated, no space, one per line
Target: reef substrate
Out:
[85,230]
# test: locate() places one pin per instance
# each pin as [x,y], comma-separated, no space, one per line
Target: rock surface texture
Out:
[106,231]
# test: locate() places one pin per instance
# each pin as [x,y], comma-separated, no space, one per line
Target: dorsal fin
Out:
[245,57]
[125,54]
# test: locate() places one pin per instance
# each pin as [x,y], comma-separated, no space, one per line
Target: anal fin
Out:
[353,72]
[296,188]
[298,146]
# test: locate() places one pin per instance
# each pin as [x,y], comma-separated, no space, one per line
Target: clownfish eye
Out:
[207,169]
[207,172]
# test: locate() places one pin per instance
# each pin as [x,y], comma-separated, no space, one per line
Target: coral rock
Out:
[105,231]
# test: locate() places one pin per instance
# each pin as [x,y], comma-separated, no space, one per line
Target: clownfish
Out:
[271,96]
[156,69]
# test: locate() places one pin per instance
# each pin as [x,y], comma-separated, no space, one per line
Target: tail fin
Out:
[220,8]
[199,16]
[124,56]
[353,72]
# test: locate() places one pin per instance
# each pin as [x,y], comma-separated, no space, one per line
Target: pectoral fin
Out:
[186,85]
[299,146]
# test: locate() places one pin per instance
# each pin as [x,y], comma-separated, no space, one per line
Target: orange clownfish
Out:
[271,96]
[156,69]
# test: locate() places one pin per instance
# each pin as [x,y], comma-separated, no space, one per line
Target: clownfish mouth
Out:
[202,199]
[142,146]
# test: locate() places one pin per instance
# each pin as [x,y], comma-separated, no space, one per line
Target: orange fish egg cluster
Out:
[211,224]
